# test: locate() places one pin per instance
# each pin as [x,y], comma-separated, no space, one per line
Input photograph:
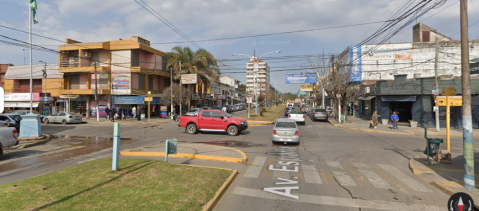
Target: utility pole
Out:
[181,94]
[96,97]
[469,181]
[171,92]
[437,83]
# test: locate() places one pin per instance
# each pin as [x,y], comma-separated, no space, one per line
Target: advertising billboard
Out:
[307,87]
[355,62]
[189,79]
[101,108]
[120,81]
[301,78]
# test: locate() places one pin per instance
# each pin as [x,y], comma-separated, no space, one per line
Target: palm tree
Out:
[200,62]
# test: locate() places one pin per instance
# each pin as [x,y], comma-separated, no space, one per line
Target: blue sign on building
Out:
[355,62]
[301,79]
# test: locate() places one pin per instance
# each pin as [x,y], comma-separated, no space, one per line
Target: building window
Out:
[426,36]
[75,81]
[141,81]
[150,82]
[135,59]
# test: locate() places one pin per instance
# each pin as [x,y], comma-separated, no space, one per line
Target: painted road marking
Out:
[337,201]
[408,181]
[372,177]
[334,164]
[254,170]
[343,178]
[311,175]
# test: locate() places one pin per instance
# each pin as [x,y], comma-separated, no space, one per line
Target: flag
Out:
[33,4]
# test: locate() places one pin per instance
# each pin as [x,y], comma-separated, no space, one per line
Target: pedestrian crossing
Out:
[381,176]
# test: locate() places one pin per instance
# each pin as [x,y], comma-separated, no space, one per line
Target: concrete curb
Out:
[423,172]
[40,142]
[33,139]
[220,192]
[184,155]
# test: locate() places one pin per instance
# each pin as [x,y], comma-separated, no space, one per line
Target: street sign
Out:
[249,99]
[148,99]
[449,91]
[435,92]
[338,95]
[453,101]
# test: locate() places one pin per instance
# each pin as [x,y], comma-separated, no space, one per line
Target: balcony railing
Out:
[72,62]
[27,89]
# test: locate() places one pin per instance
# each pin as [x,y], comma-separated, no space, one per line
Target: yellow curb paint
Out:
[219,193]
[243,155]
[184,155]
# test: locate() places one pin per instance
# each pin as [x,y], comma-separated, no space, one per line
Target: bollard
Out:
[116,146]
[171,147]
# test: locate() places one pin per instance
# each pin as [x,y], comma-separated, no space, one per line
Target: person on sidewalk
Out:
[112,115]
[133,111]
[138,113]
[107,111]
[395,119]
[374,120]
[153,109]
[124,114]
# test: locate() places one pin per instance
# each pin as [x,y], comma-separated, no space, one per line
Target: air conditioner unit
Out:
[87,54]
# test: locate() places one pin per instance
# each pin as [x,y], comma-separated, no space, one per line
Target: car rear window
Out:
[320,110]
[286,124]
[296,112]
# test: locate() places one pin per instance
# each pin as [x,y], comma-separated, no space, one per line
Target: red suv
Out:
[213,120]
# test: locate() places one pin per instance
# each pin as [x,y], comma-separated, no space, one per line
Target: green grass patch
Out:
[270,114]
[140,184]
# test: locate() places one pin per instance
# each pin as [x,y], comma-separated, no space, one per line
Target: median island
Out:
[139,184]
[269,115]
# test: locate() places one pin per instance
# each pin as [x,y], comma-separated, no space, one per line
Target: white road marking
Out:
[408,181]
[254,170]
[376,180]
[335,164]
[337,201]
[343,178]
[311,174]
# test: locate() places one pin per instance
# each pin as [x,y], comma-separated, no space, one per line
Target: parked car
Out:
[63,117]
[242,106]
[9,120]
[7,138]
[213,120]
[193,112]
[228,108]
[207,108]
[24,112]
[233,108]
[297,115]
[217,108]
[238,107]
[319,114]
[285,131]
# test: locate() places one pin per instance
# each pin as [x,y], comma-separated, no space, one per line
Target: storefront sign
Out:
[101,108]
[163,111]
[21,97]
[401,86]
[307,87]
[194,96]
[189,79]
[355,60]
[120,81]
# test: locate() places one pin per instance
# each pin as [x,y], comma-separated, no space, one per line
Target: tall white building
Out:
[262,77]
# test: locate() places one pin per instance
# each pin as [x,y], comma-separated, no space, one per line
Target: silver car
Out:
[193,112]
[285,131]
[63,117]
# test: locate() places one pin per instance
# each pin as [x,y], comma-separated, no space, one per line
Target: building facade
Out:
[126,70]
[3,70]
[232,86]
[262,78]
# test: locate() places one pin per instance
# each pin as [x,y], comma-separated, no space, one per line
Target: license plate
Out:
[285,139]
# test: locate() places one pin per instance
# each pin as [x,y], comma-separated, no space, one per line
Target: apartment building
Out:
[262,76]
[126,70]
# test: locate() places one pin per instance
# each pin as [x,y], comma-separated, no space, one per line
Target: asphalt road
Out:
[332,168]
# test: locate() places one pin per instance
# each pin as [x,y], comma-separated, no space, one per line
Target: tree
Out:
[166,94]
[200,62]
[242,88]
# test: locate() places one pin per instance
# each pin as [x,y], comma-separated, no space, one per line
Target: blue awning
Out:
[398,98]
[132,100]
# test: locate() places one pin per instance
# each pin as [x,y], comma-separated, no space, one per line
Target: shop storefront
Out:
[413,100]
[21,101]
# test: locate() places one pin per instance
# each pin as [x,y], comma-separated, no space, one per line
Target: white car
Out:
[298,116]
[7,138]
[63,117]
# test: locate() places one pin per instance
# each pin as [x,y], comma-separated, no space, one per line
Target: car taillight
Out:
[14,132]
[289,116]
[296,133]
[314,113]
[303,115]
[274,131]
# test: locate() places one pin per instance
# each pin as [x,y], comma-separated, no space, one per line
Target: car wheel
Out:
[46,121]
[64,122]
[232,130]
[191,128]
[1,149]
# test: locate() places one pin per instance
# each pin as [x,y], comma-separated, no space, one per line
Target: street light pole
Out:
[171,92]
[96,96]
[45,79]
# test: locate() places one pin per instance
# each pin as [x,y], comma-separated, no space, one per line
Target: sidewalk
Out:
[192,151]
[355,123]
[103,120]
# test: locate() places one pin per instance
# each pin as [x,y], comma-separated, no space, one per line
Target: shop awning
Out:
[360,98]
[20,104]
[398,98]
[369,97]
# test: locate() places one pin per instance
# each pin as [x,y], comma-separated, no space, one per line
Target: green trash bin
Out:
[432,145]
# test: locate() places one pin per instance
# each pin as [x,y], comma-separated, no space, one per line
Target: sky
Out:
[93,21]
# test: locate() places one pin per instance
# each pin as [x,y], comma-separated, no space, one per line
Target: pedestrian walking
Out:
[153,109]
[112,115]
[374,120]
[138,114]
[124,114]
[107,111]
[395,119]
[133,111]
